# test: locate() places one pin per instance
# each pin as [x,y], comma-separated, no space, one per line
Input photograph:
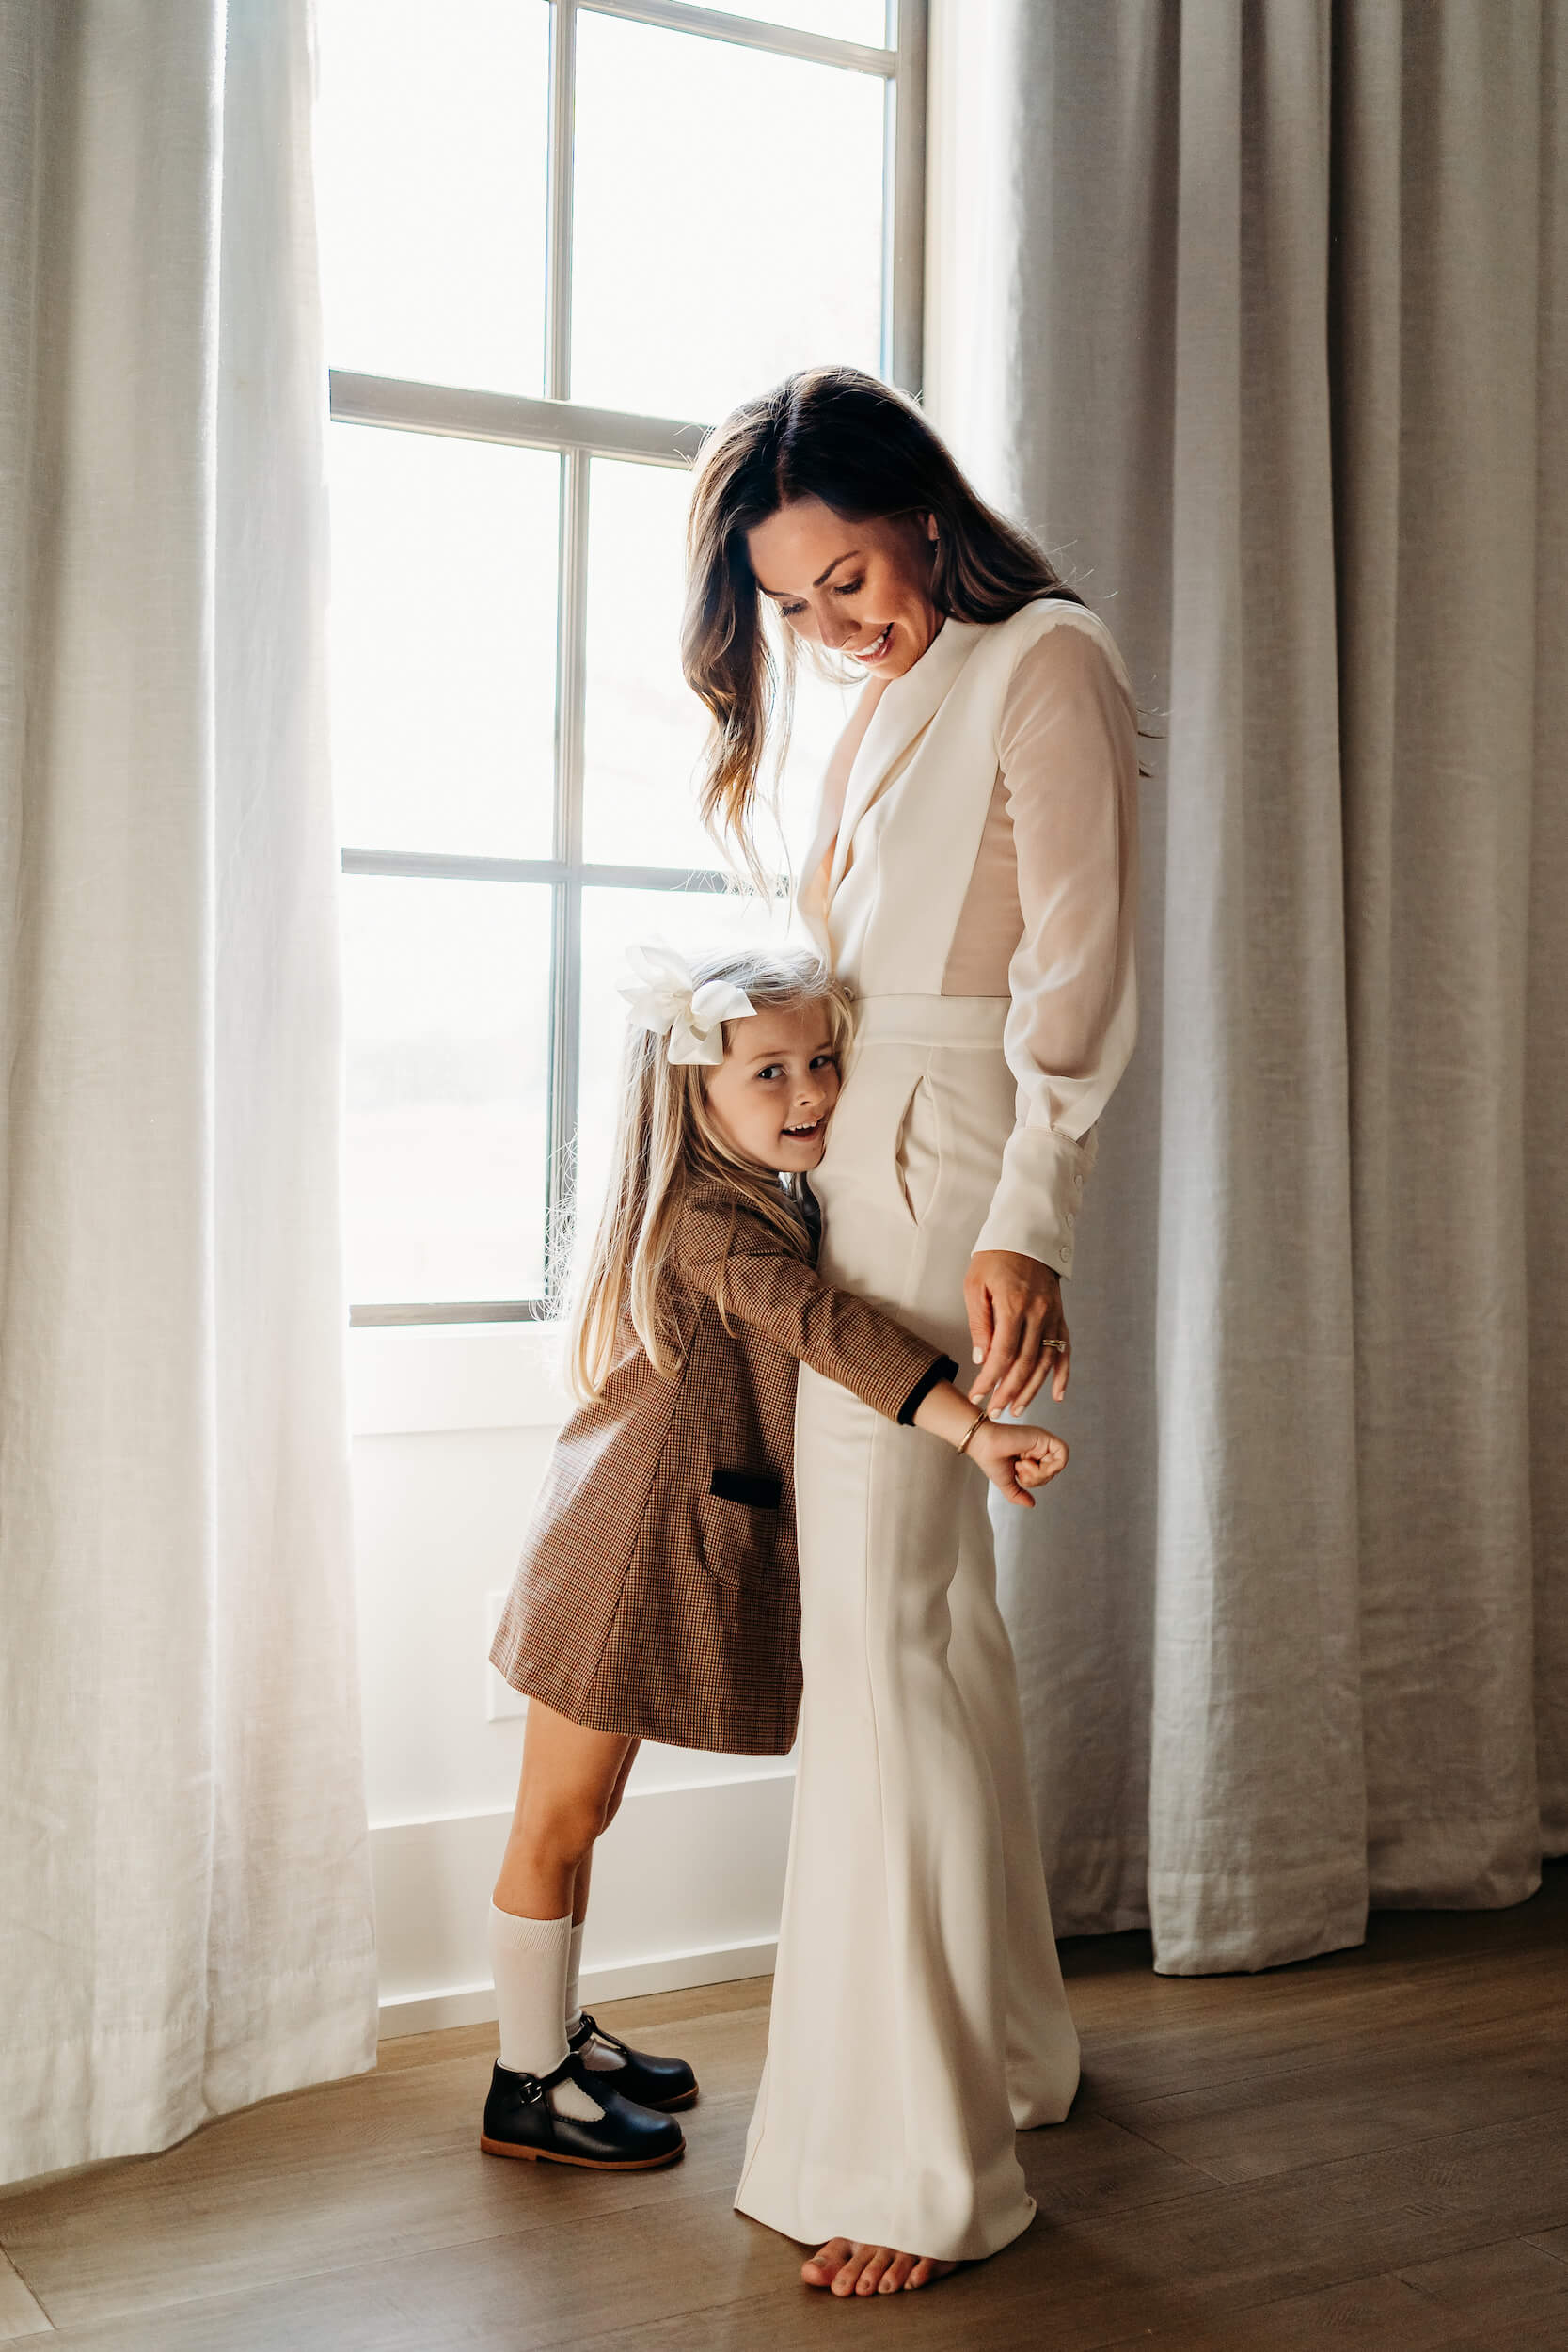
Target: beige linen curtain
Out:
[1257,310]
[184,1901]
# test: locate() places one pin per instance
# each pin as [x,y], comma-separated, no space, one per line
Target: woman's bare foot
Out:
[845,2267]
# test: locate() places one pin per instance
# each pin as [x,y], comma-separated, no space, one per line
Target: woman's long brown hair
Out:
[839,436]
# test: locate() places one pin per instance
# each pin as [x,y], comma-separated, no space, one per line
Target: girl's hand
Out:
[1016,1458]
[1016,1329]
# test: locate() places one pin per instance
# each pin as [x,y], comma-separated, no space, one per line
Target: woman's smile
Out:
[826,575]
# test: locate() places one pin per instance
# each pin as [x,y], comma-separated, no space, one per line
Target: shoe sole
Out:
[585,2164]
[668,2107]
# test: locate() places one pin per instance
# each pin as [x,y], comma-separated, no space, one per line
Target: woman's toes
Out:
[844,2267]
[871,2277]
[926,2271]
[848,2278]
[826,2263]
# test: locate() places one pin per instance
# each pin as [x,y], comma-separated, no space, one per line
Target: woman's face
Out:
[859,589]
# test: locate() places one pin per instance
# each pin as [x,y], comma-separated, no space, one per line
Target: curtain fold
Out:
[185,1904]
[1279,289]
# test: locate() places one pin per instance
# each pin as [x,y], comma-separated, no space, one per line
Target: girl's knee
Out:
[559,1828]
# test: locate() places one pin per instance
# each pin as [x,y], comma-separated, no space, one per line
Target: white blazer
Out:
[987,833]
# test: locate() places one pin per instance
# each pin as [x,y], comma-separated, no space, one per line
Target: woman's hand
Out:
[1015,1314]
[1014,1458]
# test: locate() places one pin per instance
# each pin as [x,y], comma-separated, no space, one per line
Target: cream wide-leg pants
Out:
[918,2012]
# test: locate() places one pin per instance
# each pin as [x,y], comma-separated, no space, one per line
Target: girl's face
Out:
[860,588]
[773,1093]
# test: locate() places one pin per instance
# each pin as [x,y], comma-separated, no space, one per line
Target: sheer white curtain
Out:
[184,1907]
[1258,311]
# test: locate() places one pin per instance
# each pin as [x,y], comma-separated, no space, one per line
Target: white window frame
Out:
[579,433]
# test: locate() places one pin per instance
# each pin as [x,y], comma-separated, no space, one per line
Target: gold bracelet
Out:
[974,1424]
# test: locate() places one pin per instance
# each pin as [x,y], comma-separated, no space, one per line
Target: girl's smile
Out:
[773,1093]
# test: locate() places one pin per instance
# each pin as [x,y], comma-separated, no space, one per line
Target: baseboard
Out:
[687,1889]
[669,1972]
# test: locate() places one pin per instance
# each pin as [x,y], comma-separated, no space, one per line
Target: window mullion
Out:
[566,944]
[558,233]
[571,615]
[904,279]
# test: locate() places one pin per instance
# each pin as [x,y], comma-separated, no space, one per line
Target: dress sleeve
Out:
[1068,752]
[733,1259]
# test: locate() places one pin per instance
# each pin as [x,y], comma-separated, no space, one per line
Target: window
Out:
[560,238]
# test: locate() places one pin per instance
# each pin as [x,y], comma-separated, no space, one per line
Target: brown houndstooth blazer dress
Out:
[657,1594]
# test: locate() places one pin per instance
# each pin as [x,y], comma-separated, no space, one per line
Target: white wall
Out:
[452,1428]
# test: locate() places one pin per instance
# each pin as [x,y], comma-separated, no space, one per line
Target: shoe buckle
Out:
[531,2088]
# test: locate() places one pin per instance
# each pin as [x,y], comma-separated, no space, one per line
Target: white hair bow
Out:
[664,997]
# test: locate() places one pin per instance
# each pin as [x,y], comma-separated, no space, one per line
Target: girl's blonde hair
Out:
[665,1142]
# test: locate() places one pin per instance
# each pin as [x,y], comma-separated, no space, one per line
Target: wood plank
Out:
[522,2294]
[1152,2037]
[391,2112]
[1509,2278]
[20,2313]
[1380,2311]
[229,2230]
[1434,2307]
[1505,2179]
[1088,2166]
[1354,2102]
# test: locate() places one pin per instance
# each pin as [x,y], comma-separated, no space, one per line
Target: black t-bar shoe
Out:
[520,2120]
[653,2082]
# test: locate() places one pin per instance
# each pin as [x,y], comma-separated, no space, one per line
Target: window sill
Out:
[414,1376]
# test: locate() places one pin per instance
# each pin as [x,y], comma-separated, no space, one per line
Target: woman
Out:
[973,879]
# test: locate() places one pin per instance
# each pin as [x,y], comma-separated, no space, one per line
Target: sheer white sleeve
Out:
[1068,750]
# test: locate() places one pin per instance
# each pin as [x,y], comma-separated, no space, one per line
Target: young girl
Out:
[657,1595]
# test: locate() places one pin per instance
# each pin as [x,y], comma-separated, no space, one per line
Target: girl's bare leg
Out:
[570,1784]
[585,1867]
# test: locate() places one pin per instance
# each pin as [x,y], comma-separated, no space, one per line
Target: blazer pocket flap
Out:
[762,1493]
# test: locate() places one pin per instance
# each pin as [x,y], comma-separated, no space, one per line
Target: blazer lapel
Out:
[811,890]
[909,704]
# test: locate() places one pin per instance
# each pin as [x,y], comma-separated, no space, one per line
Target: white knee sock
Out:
[529,1959]
[573,1970]
[593,2054]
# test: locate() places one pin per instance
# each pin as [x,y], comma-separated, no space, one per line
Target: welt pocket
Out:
[761,1493]
[917,1151]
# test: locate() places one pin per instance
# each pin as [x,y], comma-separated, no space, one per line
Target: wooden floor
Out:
[1366,2149]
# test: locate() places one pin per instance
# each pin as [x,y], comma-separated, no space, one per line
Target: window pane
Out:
[844,20]
[614,921]
[444,557]
[447,1020]
[431,188]
[728,219]
[644,729]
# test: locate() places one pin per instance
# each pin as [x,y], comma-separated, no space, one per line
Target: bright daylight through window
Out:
[559,239]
